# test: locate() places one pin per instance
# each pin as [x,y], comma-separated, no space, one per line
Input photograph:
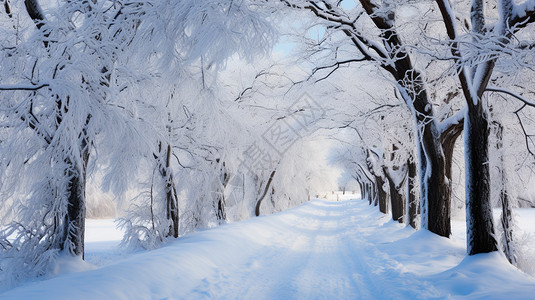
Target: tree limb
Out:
[511,93]
[22,87]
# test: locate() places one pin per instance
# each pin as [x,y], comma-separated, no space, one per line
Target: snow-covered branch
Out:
[511,93]
[452,121]
[23,87]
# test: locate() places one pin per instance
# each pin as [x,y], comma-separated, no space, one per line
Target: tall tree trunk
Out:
[449,138]
[171,195]
[367,193]
[362,191]
[382,196]
[413,205]
[435,192]
[74,220]
[396,198]
[479,220]
[224,180]
[221,215]
[507,211]
[374,193]
[507,224]
[171,199]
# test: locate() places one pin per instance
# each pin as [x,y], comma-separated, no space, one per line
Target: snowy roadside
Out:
[322,249]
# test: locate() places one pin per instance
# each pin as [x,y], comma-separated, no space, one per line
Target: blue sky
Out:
[285,45]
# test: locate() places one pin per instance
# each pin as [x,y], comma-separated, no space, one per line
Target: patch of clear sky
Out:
[285,46]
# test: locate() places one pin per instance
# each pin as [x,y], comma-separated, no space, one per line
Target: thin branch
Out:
[528,138]
[21,87]
[510,93]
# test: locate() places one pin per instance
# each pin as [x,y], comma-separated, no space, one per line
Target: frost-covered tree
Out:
[382,44]
[57,97]
[475,66]
[378,32]
[76,81]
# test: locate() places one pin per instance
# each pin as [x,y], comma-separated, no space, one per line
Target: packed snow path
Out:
[320,250]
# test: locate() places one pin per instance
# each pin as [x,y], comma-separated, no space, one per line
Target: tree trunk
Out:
[508,225]
[479,221]
[266,189]
[224,178]
[171,196]
[413,206]
[221,215]
[381,195]
[396,198]
[374,193]
[367,193]
[74,220]
[171,199]
[363,195]
[435,192]
[507,211]
[449,137]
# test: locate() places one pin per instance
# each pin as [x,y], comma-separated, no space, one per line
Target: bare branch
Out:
[527,137]
[510,93]
[22,87]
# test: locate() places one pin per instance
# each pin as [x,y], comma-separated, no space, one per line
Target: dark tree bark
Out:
[369,184]
[413,204]
[163,159]
[7,9]
[362,191]
[382,196]
[379,182]
[171,196]
[373,194]
[221,215]
[435,192]
[367,193]
[34,11]
[480,227]
[396,198]
[266,189]
[372,190]
[224,178]
[74,220]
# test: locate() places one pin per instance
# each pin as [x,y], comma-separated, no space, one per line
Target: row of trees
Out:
[138,95]
[125,91]
[458,61]
[136,99]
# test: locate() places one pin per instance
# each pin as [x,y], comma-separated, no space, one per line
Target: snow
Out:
[102,240]
[321,250]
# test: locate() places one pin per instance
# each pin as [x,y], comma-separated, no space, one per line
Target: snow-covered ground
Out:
[320,250]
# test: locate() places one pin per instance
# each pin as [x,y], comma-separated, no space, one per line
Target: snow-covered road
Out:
[321,250]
